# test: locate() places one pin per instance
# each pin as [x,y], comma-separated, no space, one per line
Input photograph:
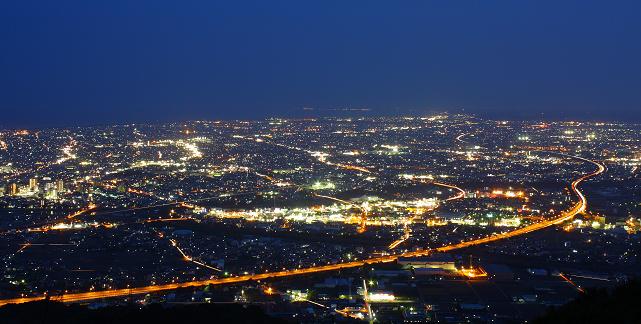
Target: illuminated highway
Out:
[568,280]
[460,138]
[188,258]
[578,208]
[407,230]
[82,211]
[459,195]
[362,227]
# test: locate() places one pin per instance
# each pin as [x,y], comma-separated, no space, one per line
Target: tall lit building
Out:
[13,189]
[60,186]
[33,184]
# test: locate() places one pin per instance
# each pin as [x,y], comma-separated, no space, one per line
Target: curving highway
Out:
[407,230]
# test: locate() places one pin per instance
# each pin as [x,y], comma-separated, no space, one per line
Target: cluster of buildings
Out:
[45,188]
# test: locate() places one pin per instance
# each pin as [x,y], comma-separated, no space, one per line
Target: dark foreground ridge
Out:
[622,305]
[56,312]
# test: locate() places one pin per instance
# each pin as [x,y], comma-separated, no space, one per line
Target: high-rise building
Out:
[13,189]
[60,186]
[33,184]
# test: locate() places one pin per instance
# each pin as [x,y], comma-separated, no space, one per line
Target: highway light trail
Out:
[459,195]
[362,227]
[568,280]
[189,258]
[578,208]
[156,220]
[366,300]
[588,277]
[23,247]
[407,231]
[406,235]
[89,208]
[340,312]
[338,200]
[20,250]
[460,138]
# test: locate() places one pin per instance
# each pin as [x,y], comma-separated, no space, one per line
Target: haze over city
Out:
[82,63]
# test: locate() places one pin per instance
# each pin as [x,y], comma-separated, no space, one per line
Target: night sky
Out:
[65,63]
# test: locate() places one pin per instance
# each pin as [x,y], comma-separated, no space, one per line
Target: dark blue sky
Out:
[97,62]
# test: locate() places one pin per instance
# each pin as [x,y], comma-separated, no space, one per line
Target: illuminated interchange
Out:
[366,218]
